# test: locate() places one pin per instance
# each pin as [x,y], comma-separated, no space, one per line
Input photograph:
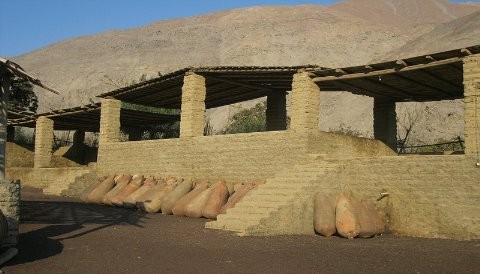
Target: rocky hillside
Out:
[347,33]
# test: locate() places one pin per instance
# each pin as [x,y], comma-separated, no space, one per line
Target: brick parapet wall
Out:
[471,82]
[10,206]
[305,103]
[236,157]
[43,142]
[192,117]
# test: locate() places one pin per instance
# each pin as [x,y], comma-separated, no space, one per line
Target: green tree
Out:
[248,120]
[22,96]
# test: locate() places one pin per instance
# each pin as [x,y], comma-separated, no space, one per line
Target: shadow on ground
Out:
[64,220]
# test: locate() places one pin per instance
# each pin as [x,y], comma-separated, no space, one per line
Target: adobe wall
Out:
[236,157]
[429,196]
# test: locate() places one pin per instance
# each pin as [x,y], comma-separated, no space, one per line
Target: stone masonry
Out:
[192,118]
[305,103]
[43,142]
[10,206]
[471,82]
[385,122]
[276,113]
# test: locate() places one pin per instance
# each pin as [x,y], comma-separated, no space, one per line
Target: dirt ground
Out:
[64,236]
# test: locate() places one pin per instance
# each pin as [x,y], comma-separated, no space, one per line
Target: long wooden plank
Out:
[386,71]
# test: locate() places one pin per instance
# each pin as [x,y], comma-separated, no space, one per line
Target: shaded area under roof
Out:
[87,118]
[432,77]
[225,85]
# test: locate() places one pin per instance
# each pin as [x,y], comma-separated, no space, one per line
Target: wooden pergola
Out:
[225,85]
[432,77]
[87,118]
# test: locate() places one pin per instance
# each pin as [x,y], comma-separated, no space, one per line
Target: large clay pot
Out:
[83,196]
[154,198]
[365,220]
[97,194]
[216,200]
[131,200]
[169,201]
[135,183]
[195,206]
[121,182]
[324,214]
[346,221]
[179,208]
[375,216]
[236,197]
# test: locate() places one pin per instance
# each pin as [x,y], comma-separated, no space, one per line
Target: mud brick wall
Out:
[10,206]
[429,196]
[236,157]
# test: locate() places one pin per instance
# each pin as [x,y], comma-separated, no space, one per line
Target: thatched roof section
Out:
[430,77]
[87,118]
[225,85]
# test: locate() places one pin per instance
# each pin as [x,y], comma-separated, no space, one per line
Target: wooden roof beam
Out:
[433,77]
[357,90]
[387,71]
[237,83]
[424,85]
[383,85]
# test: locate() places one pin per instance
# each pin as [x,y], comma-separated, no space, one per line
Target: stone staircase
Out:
[283,205]
[61,183]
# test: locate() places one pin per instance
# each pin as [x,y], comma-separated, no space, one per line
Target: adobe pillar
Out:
[471,83]
[192,117]
[43,142]
[305,103]
[109,121]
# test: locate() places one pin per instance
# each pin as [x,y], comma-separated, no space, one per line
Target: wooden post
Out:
[4,92]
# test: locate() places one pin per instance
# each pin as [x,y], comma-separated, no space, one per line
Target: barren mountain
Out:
[348,33]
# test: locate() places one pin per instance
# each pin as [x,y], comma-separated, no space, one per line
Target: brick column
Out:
[43,142]
[305,103]
[109,121]
[192,117]
[471,83]
[385,122]
[276,114]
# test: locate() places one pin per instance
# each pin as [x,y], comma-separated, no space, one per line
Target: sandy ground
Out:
[70,237]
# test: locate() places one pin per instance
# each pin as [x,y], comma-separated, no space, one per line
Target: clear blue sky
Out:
[26,25]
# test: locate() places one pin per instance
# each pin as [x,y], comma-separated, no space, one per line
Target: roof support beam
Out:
[237,83]
[386,71]
[425,85]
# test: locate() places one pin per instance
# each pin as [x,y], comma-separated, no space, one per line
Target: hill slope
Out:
[348,33]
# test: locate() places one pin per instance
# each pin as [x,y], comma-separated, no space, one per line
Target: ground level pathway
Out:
[70,237]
